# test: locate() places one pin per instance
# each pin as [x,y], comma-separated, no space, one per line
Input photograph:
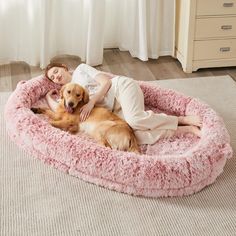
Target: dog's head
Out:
[73,95]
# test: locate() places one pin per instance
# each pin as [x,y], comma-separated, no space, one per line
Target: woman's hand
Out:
[86,110]
[105,84]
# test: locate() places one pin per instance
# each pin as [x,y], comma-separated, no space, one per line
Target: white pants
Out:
[147,125]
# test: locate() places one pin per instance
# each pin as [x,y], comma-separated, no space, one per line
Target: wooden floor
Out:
[116,62]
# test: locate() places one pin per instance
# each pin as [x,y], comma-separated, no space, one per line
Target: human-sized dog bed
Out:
[180,165]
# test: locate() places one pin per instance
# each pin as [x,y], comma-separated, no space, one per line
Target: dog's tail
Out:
[133,145]
[121,137]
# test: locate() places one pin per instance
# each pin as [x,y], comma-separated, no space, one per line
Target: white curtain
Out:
[34,31]
[143,27]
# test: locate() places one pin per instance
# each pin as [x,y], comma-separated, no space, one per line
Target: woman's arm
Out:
[105,83]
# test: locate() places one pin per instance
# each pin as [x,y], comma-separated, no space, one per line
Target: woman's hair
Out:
[51,65]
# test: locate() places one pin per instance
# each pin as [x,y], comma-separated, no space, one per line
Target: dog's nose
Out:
[70,104]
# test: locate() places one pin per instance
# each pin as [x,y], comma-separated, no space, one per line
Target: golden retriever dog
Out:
[103,125]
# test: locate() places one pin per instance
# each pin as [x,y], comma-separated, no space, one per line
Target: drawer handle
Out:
[228,4]
[225,49]
[226,27]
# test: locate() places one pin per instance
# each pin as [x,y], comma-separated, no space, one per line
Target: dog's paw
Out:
[54,123]
[37,110]
[73,129]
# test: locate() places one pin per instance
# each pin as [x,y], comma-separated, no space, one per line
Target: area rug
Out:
[38,200]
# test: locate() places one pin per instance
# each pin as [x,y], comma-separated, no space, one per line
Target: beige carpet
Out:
[38,200]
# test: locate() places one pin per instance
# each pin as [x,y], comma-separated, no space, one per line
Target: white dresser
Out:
[205,33]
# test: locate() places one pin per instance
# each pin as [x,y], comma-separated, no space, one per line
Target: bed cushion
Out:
[180,165]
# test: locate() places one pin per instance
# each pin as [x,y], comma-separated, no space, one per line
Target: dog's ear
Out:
[62,91]
[85,96]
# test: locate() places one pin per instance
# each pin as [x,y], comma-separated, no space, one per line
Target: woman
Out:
[123,96]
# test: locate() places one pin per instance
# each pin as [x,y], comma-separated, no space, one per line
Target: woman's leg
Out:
[190,120]
[131,99]
[149,126]
[188,129]
[151,136]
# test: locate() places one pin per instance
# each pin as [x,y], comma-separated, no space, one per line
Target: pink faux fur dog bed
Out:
[172,167]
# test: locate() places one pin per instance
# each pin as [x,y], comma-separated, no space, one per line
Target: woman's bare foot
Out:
[189,129]
[190,120]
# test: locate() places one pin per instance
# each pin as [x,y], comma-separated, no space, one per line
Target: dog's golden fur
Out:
[103,125]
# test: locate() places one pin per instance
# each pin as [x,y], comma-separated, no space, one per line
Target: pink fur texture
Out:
[181,165]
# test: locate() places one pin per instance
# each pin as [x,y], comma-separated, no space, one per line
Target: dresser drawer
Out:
[214,49]
[216,7]
[215,27]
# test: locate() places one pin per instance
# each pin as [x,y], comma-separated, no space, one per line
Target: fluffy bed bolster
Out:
[177,166]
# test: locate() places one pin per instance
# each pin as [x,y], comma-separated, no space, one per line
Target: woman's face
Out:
[59,75]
